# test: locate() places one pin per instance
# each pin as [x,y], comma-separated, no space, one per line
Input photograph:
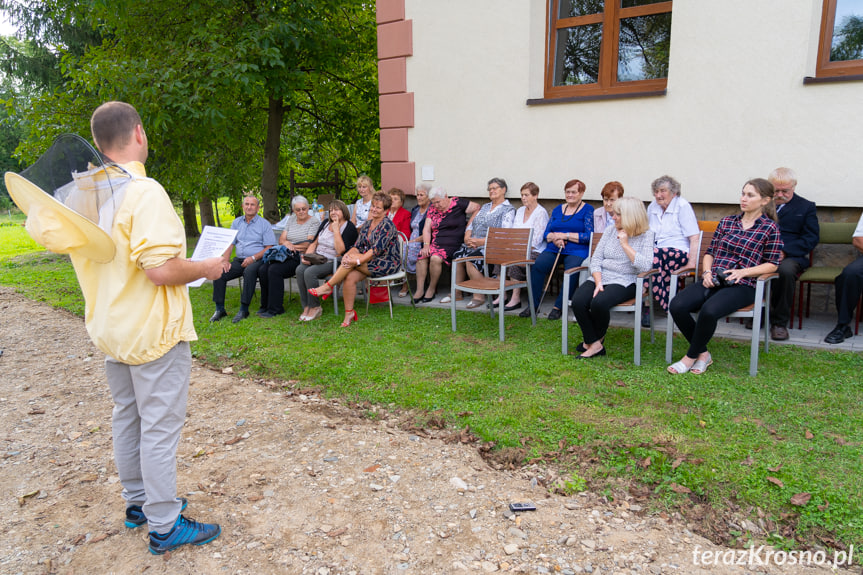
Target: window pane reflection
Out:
[847,31]
[576,58]
[571,8]
[645,42]
[631,3]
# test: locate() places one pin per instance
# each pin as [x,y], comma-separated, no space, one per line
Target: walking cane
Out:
[550,275]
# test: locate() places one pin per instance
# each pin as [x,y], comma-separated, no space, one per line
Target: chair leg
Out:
[639,301]
[390,299]
[564,325]
[669,324]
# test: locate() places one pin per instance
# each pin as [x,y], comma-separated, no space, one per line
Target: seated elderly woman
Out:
[498,213]
[675,231]
[397,213]
[602,218]
[529,215]
[299,230]
[744,246]
[334,237]
[418,220]
[446,220]
[375,254]
[568,235]
[622,253]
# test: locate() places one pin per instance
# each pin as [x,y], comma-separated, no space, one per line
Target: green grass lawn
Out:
[722,441]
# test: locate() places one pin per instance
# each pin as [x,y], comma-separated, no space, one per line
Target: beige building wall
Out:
[736,106]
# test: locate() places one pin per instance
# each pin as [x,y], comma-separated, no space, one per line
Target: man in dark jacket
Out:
[798,226]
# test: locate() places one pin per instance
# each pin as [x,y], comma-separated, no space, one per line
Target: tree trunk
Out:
[190,220]
[270,176]
[207,217]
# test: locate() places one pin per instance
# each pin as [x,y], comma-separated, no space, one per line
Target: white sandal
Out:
[446,299]
[678,368]
[700,367]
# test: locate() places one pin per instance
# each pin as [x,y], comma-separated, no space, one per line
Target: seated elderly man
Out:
[849,286]
[798,228]
[254,236]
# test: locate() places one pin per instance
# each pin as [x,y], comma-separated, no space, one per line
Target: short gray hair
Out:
[667,181]
[424,187]
[437,192]
[298,199]
[783,176]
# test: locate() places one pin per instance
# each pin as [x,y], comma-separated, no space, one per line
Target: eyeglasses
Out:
[573,191]
[609,200]
[302,209]
[493,188]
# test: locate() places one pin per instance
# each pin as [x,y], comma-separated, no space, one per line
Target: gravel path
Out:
[298,483]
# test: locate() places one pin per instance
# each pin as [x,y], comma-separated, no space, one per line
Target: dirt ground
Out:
[299,484]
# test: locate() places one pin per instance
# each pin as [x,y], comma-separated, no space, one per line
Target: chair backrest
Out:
[708,225]
[702,247]
[403,250]
[507,244]
[836,232]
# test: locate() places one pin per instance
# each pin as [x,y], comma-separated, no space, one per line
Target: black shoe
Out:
[220,313]
[525,312]
[262,311]
[554,314]
[580,348]
[265,314]
[241,315]
[748,323]
[645,317]
[514,307]
[600,353]
[839,334]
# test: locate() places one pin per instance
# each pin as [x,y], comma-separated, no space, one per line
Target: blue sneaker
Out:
[185,532]
[135,515]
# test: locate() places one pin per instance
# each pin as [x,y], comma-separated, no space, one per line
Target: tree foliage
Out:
[848,40]
[213,78]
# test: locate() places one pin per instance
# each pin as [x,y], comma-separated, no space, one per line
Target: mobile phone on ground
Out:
[516,507]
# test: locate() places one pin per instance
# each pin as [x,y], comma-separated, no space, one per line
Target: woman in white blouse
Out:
[529,215]
[366,189]
[675,229]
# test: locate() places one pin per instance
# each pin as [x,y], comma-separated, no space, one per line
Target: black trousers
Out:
[782,291]
[712,304]
[849,285]
[272,276]
[250,276]
[594,313]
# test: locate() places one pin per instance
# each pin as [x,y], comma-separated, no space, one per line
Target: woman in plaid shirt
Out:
[744,247]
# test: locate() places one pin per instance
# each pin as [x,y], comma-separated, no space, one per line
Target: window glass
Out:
[572,8]
[847,43]
[577,60]
[644,47]
[632,3]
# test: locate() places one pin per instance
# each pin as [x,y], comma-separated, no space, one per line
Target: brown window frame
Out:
[825,68]
[607,84]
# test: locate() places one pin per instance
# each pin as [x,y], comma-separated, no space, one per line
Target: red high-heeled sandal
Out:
[314,292]
[348,320]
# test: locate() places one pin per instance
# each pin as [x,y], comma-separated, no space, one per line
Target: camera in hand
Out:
[720,279]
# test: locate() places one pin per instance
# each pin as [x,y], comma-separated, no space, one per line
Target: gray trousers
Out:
[149,411]
[307,277]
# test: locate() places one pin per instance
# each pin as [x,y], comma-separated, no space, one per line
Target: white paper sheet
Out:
[212,243]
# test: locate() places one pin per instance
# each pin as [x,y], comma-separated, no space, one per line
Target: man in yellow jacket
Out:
[137,311]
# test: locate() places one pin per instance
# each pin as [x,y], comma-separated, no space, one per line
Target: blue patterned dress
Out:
[384,241]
